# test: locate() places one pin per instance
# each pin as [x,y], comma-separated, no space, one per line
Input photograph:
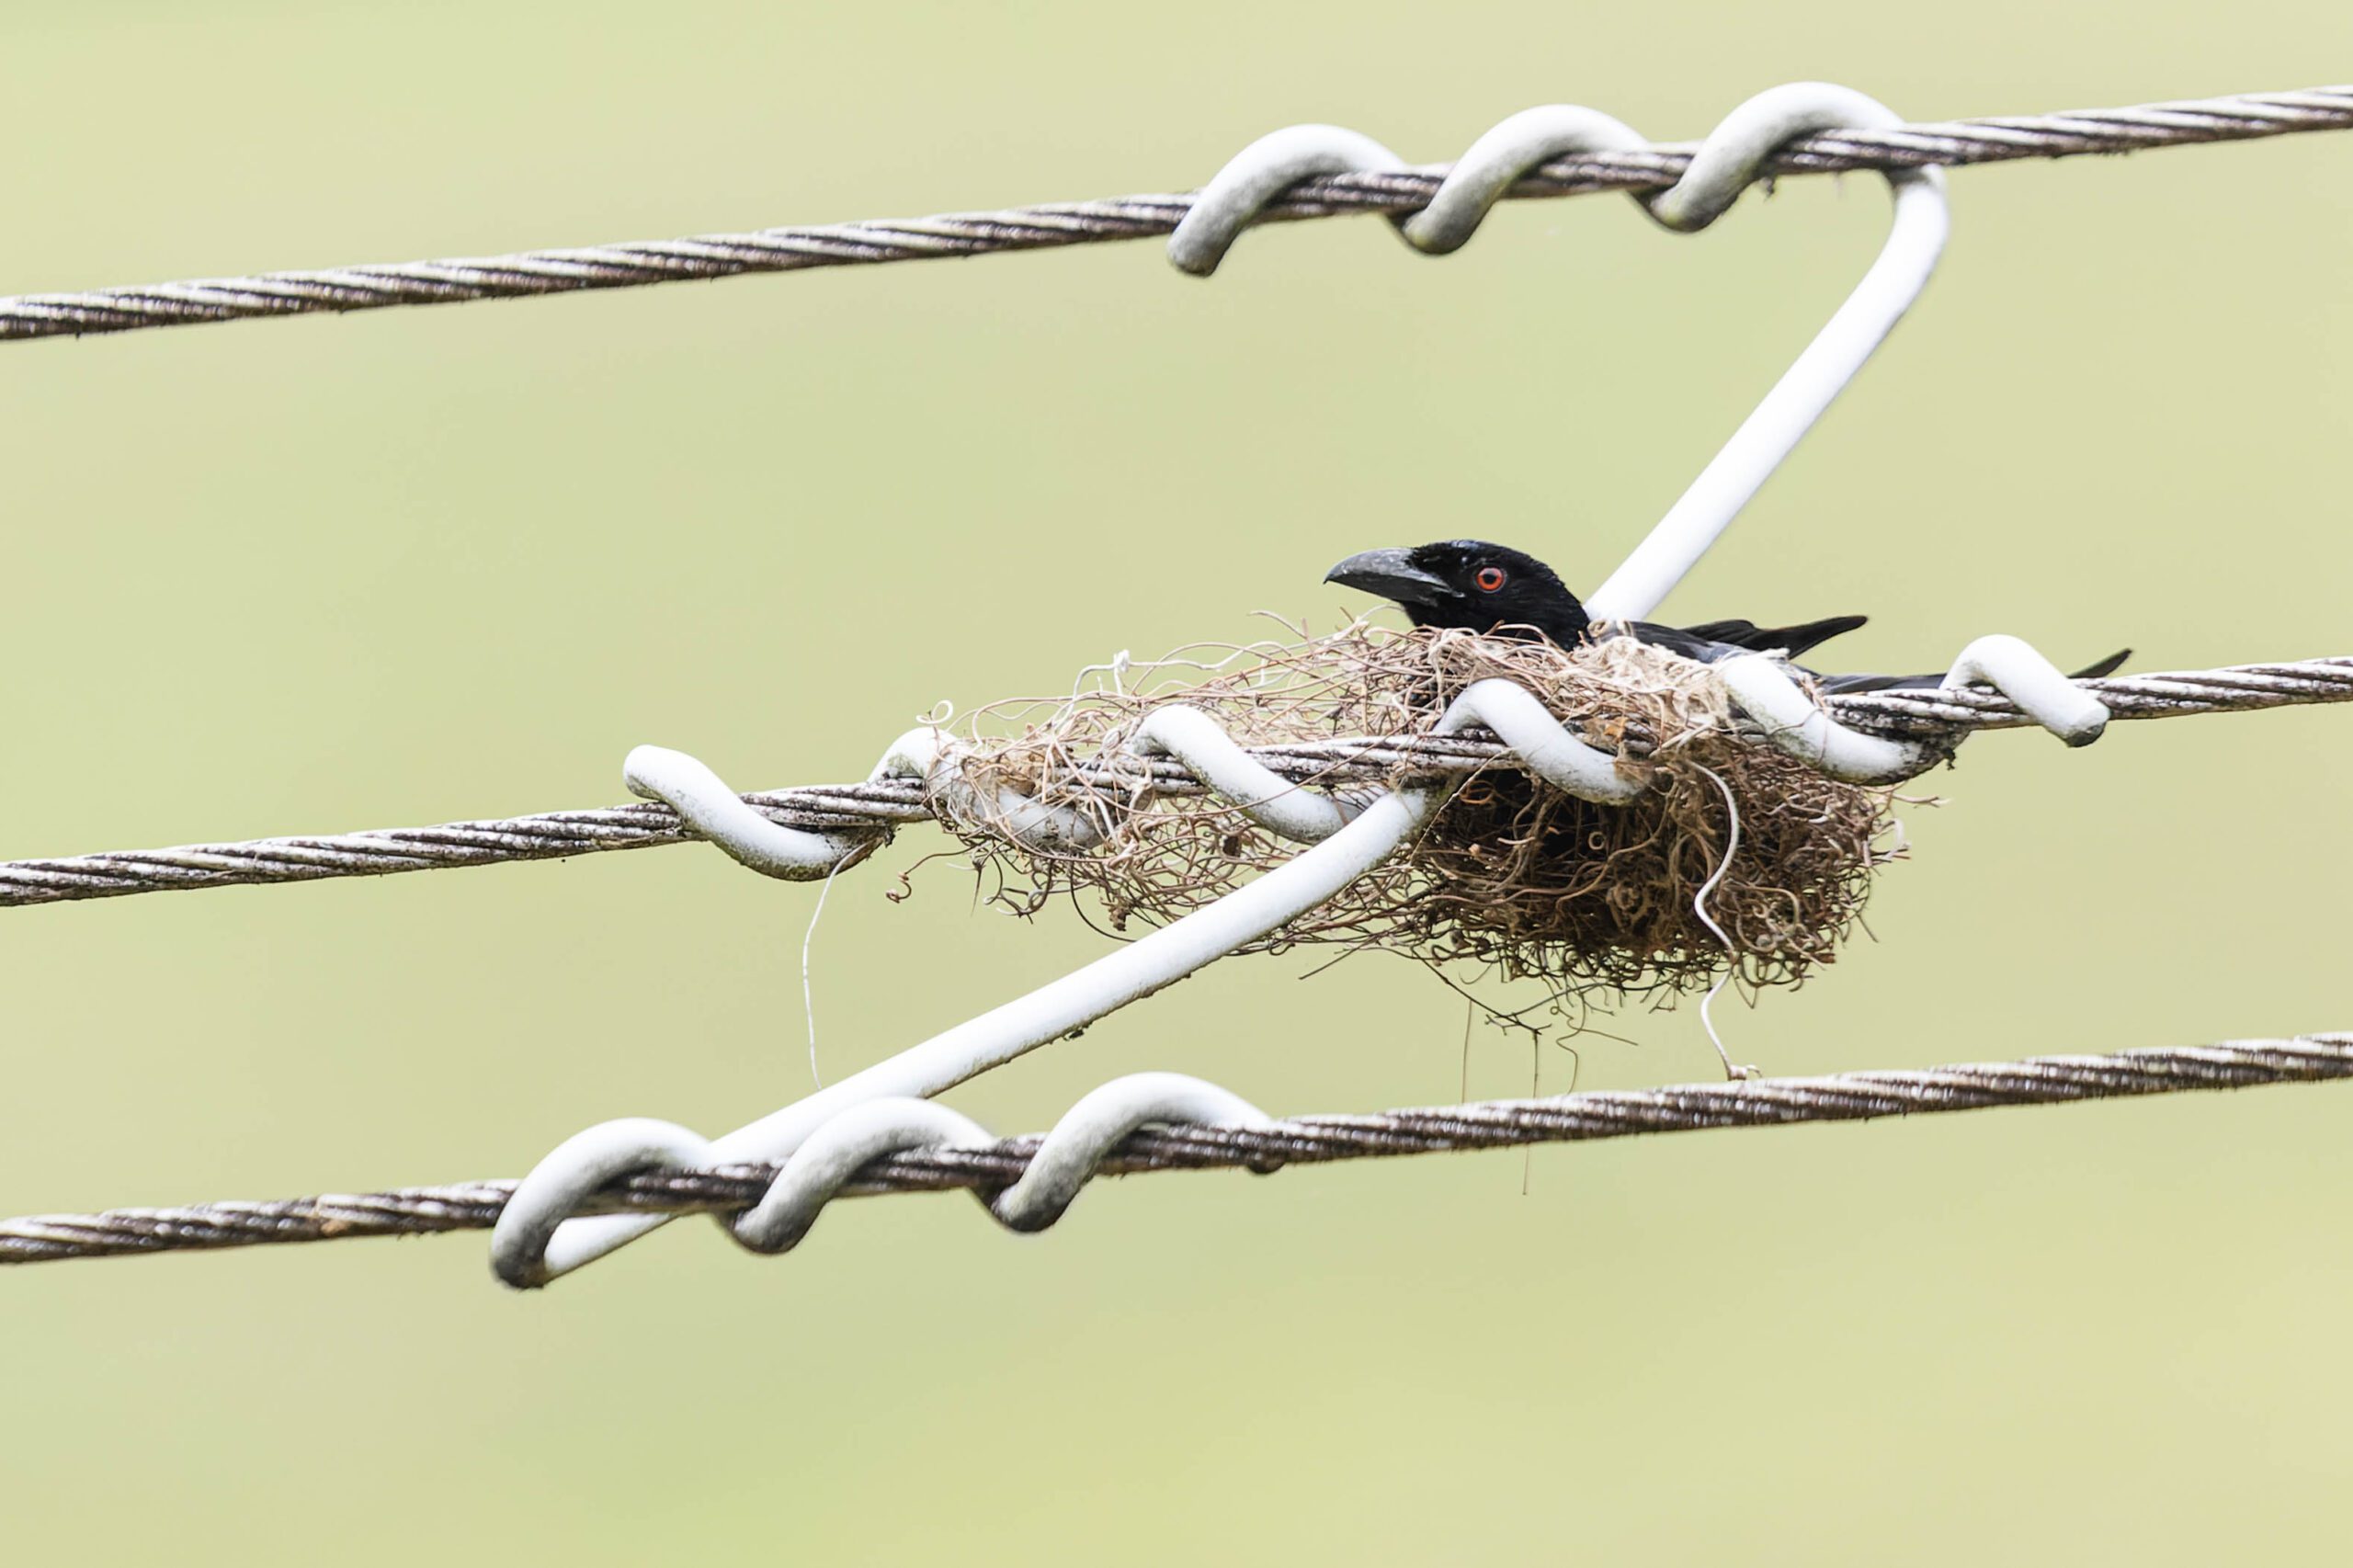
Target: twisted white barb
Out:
[1505,157]
[834,1154]
[1200,743]
[1249,183]
[1795,723]
[695,792]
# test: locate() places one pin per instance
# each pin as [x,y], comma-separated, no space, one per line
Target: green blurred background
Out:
[418,565]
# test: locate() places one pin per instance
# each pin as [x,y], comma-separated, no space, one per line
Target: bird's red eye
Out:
[1490,578]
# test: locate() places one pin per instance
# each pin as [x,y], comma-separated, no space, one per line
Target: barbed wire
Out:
[1309,1140]
[1049,225]
[1928,715]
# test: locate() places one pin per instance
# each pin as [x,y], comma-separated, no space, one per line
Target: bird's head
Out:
[1469,583]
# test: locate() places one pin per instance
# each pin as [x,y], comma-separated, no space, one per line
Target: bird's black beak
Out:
[1392,575]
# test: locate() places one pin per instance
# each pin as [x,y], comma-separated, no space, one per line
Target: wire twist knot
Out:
[837,1149]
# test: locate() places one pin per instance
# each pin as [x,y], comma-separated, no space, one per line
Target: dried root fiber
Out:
[1510,874]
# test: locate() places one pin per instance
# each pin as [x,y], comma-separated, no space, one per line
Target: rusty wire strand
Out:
[556,835]
[1308,1140]
[1051,225]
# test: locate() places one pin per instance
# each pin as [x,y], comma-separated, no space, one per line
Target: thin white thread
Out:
[808,991]
[1700,908]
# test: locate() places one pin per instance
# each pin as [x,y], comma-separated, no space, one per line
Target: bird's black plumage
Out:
[1477,587]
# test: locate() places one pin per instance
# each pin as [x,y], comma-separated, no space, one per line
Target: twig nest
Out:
[1510,873]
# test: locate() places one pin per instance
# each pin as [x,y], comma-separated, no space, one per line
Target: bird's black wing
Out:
[1716,640]
[1691,642]
[1790,640]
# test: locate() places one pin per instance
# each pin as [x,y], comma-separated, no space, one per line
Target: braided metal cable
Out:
[1929,715]
[1052,225]
[1308,1140]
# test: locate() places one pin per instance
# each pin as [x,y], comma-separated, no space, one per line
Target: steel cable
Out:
[1049,225]
[1308,1140]
[1922,715]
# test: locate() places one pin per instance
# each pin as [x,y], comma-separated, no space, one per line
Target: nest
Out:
[1510,874]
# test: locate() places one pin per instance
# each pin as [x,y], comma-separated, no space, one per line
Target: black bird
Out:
[1478,586]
